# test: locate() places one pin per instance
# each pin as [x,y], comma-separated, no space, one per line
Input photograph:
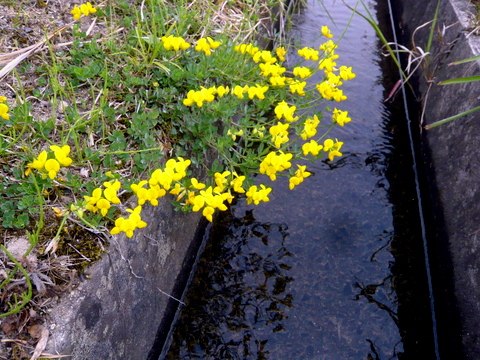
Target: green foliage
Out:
[118,105]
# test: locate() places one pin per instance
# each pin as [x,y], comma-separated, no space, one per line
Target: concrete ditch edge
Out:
[115,313]
[451,157]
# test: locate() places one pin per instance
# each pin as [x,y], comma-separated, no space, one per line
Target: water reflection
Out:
[339,287]
[240,292]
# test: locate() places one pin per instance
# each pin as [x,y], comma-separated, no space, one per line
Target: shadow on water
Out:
[333,270]
[239,292]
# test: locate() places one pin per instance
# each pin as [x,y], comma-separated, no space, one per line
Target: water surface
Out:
[333,269]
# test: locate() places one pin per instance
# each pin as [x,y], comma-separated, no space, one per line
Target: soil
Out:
[25,23]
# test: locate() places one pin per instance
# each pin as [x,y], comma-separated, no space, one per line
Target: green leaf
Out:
[21,221]
[8,219]
[462,80]
[473,58]
[441,122]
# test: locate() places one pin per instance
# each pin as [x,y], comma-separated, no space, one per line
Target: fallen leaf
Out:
[41,345]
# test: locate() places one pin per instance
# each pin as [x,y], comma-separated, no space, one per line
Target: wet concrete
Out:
[450,156]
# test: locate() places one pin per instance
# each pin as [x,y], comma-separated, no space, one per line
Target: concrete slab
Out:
[451,154]
[117,312]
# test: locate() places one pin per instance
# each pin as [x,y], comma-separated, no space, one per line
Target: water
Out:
[334,269]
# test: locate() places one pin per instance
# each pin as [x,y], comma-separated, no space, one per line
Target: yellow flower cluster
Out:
[340,117]
[284,110]
[311,147]
[302,71]
[249,49]
[84,10]
[174,43]
[279,134]
[274,163]
[207,45]
[48,165]
[198,97]
[128,225]
[4,108]
[214,197]
[102,199]
[310,127]
[257,194]
[333,148]
[326,32]
[298,177]
[274,70]
[234,134]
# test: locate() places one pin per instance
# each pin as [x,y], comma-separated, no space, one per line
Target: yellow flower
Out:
[84,10]
[103,205]
[340,117]
[310,127]
[274,163]
[298,87]
[258,91]
[240,90]
[278,80]
[249,49]
[221,181]
[234,134]
[346,73]
[4,111]
[328,49]
[208,213]
[39,162]
[103,199]
[308,53]
[264,56]
[268,69]
[221,90]
[96,202]
[333,148]
[334,79]
[255,195]
[174,43]
[110,192]
[283,110]
[128,225]
[76,12]
[312,147]
[259,131]
[61,154]
[297,179]
[279,134]
[87,9]
[328,64]
[52,166]
[326,32]
[207,45]
[330,92]
[302,71]
[281,52]
[237,183]
[198,97]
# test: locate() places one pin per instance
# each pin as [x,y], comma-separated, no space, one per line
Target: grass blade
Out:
[441,122]
[473,58]
[432,29]
[462,80]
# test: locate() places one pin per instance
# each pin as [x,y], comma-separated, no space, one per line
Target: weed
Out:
[140,110]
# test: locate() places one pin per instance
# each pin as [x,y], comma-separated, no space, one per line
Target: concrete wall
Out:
[117,312]
[452,161]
